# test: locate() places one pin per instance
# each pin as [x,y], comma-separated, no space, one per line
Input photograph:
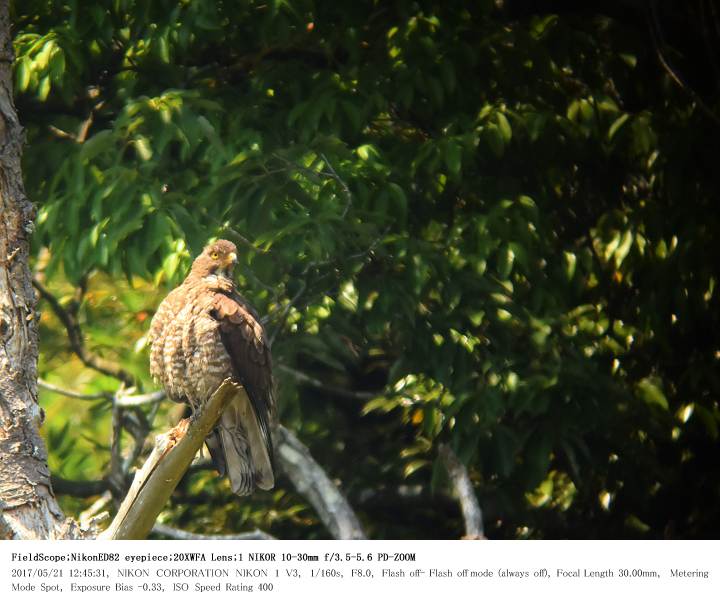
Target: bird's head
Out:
[217,259]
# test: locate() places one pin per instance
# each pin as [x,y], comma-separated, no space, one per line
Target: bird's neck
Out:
[219,283]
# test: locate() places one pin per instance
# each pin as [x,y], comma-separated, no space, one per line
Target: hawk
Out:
[204,332]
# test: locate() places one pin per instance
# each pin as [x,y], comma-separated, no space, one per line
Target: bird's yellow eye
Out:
[214,255]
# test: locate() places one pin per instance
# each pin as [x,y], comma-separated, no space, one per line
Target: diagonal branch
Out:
[312,482]
[464,492]
[659,43]
[284,314]
[73,394]
[343,186]
[154,483]
[166,465]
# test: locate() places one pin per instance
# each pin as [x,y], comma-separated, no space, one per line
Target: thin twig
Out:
[123,401]
[343,186]
[119,400]
[166,465]
[247,272]
[366,253]
[180,534]
[314,175]
[132,401]
[116,475]
[243,240]
[92,513]
[138,426]
[77,344]
[74,394]
[707,38]
[464,492]
[659,43]
[284,315]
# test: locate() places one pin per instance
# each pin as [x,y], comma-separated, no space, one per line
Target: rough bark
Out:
[28,508]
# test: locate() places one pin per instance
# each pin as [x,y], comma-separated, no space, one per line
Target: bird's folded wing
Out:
[244,339]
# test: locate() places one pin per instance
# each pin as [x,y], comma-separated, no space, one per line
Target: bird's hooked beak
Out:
[226,267]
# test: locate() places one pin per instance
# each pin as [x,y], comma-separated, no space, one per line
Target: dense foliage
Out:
[467,226]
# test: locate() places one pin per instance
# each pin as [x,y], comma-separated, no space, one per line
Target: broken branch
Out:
[171,457]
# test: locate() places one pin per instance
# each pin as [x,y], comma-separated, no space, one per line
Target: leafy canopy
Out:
[490,232]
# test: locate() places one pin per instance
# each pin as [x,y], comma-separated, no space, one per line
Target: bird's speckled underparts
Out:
[204,332]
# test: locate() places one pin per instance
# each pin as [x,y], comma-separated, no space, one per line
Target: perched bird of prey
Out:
[204,332]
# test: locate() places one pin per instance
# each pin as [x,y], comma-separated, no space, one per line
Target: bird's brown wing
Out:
[244,339]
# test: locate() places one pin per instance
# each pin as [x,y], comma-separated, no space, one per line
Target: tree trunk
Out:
[28,508]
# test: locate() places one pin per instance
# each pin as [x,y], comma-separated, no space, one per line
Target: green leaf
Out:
[629,59]
[353,114]
[623,248]
[42,60]
[44,88]
[400,205]
[537,455]
[535,124]
[143,148]
[650,390]
[570,262]
[414,466]
[22,75]
[505,447]
[587,111]
[57,67]
[453,157]
[365,152]
[96,144]
[504,127]
[709,420]
[617,125]
[296,113]
[170,265]
[506,257]
[163,49]
[494,138]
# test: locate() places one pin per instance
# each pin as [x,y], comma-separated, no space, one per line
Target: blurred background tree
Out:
[487,225]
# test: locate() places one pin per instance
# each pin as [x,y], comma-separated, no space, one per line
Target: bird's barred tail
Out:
[239,450]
